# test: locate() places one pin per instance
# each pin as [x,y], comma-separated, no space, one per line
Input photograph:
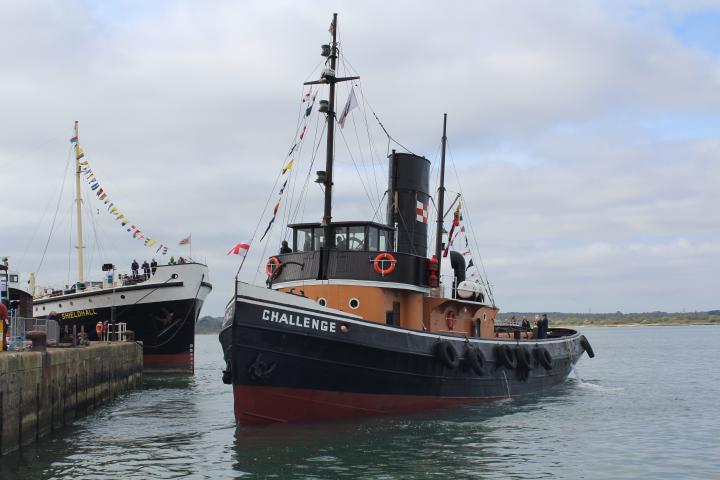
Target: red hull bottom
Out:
[176,363]
[257,405]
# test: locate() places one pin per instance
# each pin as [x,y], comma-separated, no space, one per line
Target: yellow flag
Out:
[288,166]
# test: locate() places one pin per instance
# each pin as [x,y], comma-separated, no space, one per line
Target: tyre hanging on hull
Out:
[524,360]
[543,357]
[447,354]
[475,360]
[586,346]
[504,355]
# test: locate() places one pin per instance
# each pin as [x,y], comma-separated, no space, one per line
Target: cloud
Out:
[582,133]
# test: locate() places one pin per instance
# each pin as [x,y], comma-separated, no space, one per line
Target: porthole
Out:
[90,300]
[322,302]
[122,296]
[354,303]
[484,315]
[59,305]
[43,308]
[71,303]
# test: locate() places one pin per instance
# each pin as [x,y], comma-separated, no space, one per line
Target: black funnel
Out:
[408,201]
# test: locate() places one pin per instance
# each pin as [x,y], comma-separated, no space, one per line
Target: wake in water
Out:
[589,385]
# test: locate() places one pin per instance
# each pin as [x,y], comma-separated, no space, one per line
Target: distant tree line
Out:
[619,318]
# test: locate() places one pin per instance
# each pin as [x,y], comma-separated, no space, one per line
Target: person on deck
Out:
[153,266]
[542,327]
[284,248]
[146,269]
[181,261]
[172,261]
[525,325]
[134,267]
[4,325]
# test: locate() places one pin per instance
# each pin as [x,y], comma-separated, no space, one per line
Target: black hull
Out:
[308,359]
[166,329]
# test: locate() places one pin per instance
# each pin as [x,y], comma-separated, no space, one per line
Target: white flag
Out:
[349,105]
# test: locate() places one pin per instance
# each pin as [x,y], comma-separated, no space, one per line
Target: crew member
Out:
[172,261]
[284,248]
[153,266]
[99,329]
[146,269]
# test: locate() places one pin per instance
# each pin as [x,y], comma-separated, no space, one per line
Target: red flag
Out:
[240,249]
[185,241]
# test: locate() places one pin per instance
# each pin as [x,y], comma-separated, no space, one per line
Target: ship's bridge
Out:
[354,255]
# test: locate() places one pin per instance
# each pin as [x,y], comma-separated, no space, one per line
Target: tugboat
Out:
[159,306]
[353,321]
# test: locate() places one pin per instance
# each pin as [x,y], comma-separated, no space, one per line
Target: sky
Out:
[583,135]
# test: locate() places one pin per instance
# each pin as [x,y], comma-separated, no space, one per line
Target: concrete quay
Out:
[41,392]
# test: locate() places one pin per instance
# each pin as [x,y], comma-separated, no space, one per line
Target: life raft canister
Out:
[272,265]
[99,328]
[451,319]
[447,354]
[379,263]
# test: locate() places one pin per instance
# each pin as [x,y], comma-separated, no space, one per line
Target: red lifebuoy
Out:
[380,260]
[450,319]
[272,265]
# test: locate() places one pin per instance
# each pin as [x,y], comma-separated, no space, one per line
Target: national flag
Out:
[421,212]
[185,241]
[240,249]
[349,105]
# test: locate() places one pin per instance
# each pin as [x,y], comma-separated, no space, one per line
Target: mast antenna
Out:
[441,198]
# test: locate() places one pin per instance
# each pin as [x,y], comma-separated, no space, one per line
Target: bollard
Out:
[39,340]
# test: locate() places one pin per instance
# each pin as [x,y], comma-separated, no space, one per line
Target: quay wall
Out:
[41,392]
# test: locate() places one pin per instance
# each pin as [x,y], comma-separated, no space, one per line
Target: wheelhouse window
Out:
[372,239]
[303,240]
[341,238]
[318,237]
[356,238]
[384,241]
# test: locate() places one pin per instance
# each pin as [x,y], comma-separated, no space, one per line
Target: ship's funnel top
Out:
[408,201]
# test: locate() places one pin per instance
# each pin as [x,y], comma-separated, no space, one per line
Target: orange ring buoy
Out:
[384,257]
[272,265]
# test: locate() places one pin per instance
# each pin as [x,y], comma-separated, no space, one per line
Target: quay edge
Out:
[41,392]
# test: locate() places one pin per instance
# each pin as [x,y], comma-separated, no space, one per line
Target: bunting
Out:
[308,97]
[104,197]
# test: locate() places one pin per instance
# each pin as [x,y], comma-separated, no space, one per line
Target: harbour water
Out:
[645,407]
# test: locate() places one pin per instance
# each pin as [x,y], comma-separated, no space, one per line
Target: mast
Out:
[329,77]
[78,201]
[441,198]
[328,241]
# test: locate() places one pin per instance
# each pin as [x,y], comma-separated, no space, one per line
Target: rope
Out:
[57,207]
